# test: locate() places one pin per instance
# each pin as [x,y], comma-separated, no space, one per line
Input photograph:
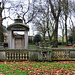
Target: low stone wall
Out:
[25,54]
[43,54]
[63,54]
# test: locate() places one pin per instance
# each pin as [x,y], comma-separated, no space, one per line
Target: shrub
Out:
[37,38]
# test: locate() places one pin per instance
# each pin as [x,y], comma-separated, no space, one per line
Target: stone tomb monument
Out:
[16,41]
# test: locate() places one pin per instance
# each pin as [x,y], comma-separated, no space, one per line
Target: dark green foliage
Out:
[37,38]
[2,35]
[30,41]
[71,39]
[72,36]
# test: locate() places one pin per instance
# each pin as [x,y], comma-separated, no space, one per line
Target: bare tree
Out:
[1,20]
[24,9]
[55,10]
[42,21]
[66,17]
[68,10]
[49,21]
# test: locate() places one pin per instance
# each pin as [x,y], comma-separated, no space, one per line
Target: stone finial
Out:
[18,16]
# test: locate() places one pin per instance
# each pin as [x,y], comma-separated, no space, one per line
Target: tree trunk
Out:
[55,44]
[44,37]
[49,37]
[1,34]
[73,35]
[1,27]
[56,18]
[66,16]
[63,35]
[66,29]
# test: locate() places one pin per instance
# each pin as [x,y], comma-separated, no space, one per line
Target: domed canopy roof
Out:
[18,25]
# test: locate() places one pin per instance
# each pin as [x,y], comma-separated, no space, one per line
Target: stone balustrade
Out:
[43,54]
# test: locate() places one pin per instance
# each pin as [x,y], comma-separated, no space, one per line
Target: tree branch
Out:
[59,8]
[52,9]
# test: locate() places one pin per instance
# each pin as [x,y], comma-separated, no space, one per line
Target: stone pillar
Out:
[10,39]
[26,39]
[13,43]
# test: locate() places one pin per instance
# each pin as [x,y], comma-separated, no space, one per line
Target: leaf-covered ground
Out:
[37,68]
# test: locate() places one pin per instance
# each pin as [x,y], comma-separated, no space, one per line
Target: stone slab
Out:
[2,55]
[72,54]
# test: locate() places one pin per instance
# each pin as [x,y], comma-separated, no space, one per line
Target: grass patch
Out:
[31,45]
[61,46]
[39,68]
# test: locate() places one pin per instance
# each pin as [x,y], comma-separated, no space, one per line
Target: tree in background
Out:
[56,11]
[71,39]
[37,38]
[66,19]
[39,21]
[50,10]
[71,17]
[30,41]
[72,36]
[65,8]
[44,21]
[1,20]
